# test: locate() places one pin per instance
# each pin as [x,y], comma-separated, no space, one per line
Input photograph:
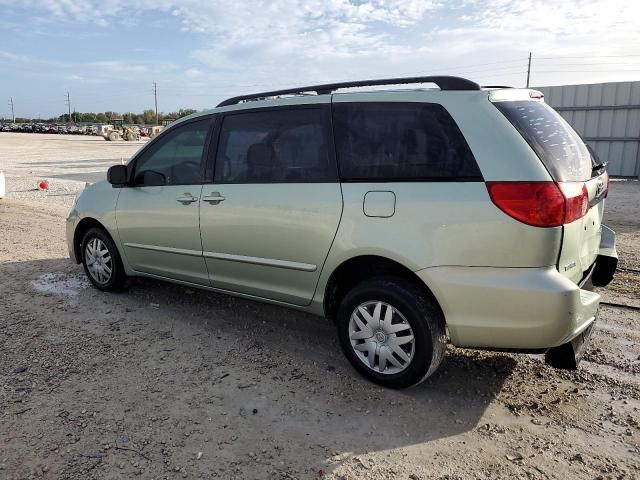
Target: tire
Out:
[410,306]
[114,136]
[568,355]
[97,262]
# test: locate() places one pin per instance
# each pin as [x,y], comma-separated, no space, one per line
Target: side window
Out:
[275,146]
[175,159]
[400,141]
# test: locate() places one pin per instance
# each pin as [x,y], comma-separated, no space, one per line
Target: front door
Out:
[270,217]
[158,214]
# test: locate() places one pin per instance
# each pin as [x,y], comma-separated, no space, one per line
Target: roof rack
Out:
[444,82]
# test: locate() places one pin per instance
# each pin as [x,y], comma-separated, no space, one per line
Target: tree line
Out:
[148,117]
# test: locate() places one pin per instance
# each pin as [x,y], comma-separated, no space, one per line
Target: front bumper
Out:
[510,308]
[70,228]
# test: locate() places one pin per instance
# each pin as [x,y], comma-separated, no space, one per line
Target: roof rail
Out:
[444,82]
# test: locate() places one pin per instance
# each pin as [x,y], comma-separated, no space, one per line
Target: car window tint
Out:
[275,146]
[175,159]
[558,146]
[400,141]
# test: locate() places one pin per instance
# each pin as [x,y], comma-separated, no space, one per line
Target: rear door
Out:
[269,219]
[572,166]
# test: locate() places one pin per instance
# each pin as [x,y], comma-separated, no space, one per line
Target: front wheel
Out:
[101,261]
[391,332]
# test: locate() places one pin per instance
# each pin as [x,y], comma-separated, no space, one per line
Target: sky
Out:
[108,53]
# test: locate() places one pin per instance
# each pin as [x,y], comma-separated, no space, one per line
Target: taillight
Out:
[540,204]
[607,180]
[577,200]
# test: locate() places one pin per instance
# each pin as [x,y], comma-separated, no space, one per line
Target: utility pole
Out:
[155,94]
[69,106]
[13,115]
[529,70]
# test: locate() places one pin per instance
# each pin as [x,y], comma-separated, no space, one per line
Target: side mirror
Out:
[117,175]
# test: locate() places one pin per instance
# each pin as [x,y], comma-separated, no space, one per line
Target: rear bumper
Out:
[510,308]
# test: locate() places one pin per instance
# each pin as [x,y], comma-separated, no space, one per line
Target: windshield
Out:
[559,147]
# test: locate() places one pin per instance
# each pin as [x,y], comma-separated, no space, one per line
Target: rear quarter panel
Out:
[437,224]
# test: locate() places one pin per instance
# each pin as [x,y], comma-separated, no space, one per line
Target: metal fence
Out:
[607,115]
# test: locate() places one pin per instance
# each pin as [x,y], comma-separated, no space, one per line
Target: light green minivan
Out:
[410,218]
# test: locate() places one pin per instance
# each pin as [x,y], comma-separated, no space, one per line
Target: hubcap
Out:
[98,260]
[381,337]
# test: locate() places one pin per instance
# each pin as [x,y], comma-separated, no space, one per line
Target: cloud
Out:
[9,56]
[230,47]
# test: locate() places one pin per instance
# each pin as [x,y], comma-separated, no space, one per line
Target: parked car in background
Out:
[406,217]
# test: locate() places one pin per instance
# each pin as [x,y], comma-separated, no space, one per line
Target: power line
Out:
[588,56]
[461,69]
[587,64]
[235,87]
[590,71]
[502,69]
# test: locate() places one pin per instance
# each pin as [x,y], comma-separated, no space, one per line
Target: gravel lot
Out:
[166,382]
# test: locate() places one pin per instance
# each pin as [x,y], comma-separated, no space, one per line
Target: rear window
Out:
[559,147]
[400,141]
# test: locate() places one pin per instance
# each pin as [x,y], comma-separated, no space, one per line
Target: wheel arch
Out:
[81,229]
[357,269]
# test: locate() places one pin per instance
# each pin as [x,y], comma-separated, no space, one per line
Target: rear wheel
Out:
[101,261]
[391,332]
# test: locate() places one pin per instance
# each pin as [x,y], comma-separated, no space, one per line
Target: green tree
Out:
[111,115]
[89,117]
[149,116]
[101,117]
[183,112]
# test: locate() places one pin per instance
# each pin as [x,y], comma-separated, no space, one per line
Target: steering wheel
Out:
[188,170]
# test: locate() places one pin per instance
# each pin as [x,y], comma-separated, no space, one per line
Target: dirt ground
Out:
[165,382]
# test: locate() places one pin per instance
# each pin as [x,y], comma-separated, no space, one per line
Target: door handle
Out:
[214,198]
[187,198]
